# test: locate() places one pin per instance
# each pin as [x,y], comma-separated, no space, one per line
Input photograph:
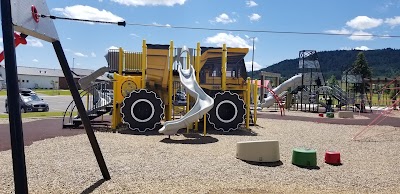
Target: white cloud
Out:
[361,35]
[395,21]
[345,48]
[69,39]
[134,35]
[254,17]
[150,2]
[385,36]
[256,66]
[251,4]
[157,24]
[88,13]
[229,39]
[112,48]
[364,22]
[100,0]
[34,42]
[342,31]
[35,60]
[223,18]
[93,54]
[364,48]
[80,54]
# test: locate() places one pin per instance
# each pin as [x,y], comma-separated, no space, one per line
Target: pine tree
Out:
[360,66]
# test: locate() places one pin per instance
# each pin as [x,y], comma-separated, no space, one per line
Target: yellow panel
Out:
[157,66]
[133,61]
[213,53]
[125,85]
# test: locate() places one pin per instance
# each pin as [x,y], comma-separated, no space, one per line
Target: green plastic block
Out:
[330,114]
[304,157]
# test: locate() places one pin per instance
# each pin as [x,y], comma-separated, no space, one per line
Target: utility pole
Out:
[252,60]
[73,63]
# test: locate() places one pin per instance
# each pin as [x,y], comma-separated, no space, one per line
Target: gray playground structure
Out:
[308,90]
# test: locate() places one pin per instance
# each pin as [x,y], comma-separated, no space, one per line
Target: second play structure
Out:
[146,85]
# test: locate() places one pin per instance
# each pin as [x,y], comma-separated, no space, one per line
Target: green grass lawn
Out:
[36,114]
[55,92]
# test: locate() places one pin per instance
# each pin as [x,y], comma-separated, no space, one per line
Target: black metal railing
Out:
[97,100]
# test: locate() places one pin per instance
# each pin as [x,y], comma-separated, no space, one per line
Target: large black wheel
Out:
[228,112]
[142,110]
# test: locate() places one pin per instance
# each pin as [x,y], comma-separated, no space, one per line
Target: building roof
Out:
[37,71]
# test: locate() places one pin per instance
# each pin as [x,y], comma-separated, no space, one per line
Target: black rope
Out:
[262,31]
[123,23]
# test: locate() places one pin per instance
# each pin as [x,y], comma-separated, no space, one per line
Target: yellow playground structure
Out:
[148,87]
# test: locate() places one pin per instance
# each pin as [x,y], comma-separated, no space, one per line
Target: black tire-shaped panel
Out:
[228,112]
[142,110]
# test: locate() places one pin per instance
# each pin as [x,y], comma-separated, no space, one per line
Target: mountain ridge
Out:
[383,63]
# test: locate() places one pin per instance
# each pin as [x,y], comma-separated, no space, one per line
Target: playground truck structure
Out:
[145,83]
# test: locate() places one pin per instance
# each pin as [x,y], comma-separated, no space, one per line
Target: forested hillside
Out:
[383,63]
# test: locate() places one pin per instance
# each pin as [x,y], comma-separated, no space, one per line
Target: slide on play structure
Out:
[204,103]
[89,80]
[293,82]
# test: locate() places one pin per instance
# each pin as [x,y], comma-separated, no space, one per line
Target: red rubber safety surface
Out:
[389,121]
[36,131]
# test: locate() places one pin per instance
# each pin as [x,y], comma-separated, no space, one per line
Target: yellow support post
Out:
[121,60]
[87,101]
[187,93]
[223,67]
[144,63]
[248,103]
[170,81]
[255,99]
[114,118]
[197,62]
[204,125]
[197,70]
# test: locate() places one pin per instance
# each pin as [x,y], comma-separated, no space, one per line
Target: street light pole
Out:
[252,60]
[73,63]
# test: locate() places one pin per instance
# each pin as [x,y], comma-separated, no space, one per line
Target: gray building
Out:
[46,78]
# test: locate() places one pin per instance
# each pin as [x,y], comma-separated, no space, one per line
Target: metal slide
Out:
[293,82]
[204,103]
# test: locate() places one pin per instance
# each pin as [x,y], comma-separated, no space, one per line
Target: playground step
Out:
[258,151]
[69,125]
[304,157]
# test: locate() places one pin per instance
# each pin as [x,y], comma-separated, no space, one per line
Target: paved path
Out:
[388,121]
[56,103]
[36,131]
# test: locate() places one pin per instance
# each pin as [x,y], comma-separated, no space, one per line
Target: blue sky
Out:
[86,44]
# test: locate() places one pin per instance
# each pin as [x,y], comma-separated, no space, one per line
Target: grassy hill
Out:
[383,63]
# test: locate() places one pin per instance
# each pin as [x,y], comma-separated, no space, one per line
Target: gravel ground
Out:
[191,164]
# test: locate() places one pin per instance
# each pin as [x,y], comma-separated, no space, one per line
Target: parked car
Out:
[180,98]
[30,102]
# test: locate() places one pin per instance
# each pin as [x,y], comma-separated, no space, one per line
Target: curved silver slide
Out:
[204,103]
[292,82]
